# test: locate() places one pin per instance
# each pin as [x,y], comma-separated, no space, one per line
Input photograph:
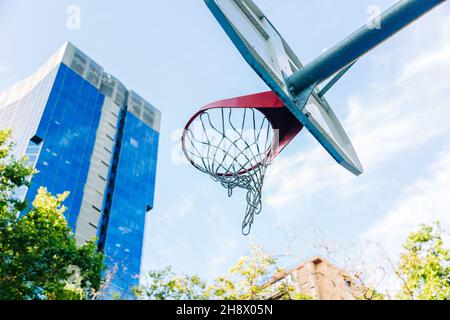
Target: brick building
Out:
[320,280]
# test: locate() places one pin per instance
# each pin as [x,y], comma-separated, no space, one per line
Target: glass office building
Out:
[87,134]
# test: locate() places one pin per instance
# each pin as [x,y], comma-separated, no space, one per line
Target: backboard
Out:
[273,60]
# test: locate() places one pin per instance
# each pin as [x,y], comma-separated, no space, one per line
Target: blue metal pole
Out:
[359,43]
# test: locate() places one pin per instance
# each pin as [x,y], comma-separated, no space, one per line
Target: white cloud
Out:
[404,111]
[400,113]
[227,247]
[167,240]
[171,218]
[426,200]
[427,80]
[166,224]
[295,177]
[421,65]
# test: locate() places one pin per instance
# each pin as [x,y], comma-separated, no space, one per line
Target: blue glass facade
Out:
[132,198]
[68,130]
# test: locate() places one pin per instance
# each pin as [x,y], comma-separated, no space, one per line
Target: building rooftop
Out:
[87,68]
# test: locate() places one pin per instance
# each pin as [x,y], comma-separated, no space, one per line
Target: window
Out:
[108,85]
[136,110]
[32,154]
[33,150]
[107,90]
[148,118]
[121,89]
[79,63]
[108,80]
[120,99]
[36,140]
[134,143]
[94,75]
[135,105]
[121,95]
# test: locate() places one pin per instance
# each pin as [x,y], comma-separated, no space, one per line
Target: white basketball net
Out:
[232,145]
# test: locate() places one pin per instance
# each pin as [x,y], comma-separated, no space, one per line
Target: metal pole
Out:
[359,43]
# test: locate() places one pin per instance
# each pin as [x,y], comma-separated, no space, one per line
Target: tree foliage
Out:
[424,270]
[249,279]
[167,285]
[39,256]
[13,174]
[425,266]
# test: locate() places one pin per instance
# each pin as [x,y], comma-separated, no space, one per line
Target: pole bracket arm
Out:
[335,79]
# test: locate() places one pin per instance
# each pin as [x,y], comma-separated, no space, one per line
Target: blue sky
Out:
[394,104]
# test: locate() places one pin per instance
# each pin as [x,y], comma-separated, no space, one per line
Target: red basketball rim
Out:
[268,103]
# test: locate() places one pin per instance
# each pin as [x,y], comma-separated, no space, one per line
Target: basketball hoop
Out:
[235,140]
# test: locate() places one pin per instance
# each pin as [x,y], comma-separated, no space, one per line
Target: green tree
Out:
[424,270]
[424,266]
[249,279]
[371,294]
[13,174]
[39,256]
[167,285]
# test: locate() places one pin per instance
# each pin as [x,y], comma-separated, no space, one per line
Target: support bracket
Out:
[335,79]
